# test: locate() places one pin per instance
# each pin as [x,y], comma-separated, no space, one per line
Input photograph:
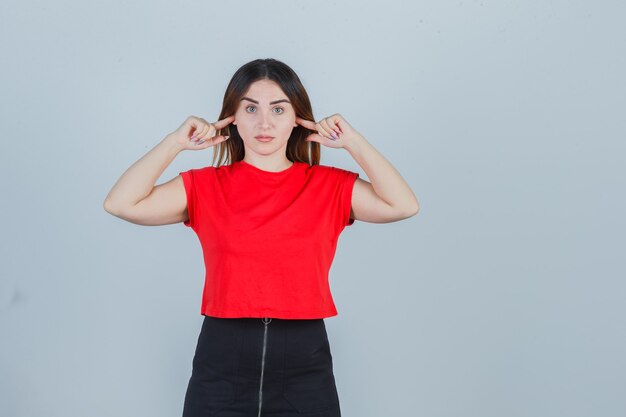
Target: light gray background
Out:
[504,296]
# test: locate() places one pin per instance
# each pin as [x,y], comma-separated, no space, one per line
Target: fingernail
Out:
[192,137]
[334,135]
[226,137]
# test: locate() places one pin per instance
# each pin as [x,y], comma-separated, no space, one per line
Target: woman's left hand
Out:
[333,131]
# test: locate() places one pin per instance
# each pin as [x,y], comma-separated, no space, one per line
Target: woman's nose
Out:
[265,120]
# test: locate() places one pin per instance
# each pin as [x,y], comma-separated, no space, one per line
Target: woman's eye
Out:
[250,109]
[279,110]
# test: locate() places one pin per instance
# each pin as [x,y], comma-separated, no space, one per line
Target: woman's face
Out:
[265,118]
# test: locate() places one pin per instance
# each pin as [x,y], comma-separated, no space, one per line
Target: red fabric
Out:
[268,238]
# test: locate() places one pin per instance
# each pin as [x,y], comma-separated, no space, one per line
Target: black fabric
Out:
[298,374]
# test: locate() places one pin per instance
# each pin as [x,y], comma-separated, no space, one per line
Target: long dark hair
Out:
[298,149]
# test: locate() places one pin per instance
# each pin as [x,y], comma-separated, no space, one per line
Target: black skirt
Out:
[269,367]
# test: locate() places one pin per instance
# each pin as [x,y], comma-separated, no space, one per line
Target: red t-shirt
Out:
[268,238]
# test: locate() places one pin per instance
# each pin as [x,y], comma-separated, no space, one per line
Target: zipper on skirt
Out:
[265,321]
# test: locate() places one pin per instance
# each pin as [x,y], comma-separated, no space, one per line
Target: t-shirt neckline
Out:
[272,173]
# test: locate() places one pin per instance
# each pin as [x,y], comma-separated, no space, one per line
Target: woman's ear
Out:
[234,122]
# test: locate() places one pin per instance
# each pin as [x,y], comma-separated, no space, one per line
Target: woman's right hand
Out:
[196,133]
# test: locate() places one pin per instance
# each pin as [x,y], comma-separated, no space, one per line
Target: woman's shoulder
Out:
[210,169]
[203,173]
[323,167]
[330,169]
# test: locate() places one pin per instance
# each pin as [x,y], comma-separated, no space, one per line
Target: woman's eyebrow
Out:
[284,100]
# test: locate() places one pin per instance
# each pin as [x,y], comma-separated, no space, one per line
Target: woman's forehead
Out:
[265,91]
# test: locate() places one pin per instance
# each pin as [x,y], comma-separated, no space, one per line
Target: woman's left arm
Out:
[388,198]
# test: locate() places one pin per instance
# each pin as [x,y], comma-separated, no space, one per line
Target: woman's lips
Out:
[264,138]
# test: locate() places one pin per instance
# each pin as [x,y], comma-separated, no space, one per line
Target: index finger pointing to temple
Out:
[306,123]
[224,122]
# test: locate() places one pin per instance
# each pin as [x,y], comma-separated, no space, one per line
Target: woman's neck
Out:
[267,164]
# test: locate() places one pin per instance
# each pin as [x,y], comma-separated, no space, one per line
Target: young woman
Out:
[268,221]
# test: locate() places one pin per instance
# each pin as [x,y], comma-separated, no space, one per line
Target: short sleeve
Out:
[189,181]
[346,187]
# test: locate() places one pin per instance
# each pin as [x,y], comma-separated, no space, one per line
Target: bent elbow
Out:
[406,211]
[109,208]
[106,206]
[412,211]
[413,208]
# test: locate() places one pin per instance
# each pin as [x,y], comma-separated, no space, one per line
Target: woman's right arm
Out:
[136,199]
